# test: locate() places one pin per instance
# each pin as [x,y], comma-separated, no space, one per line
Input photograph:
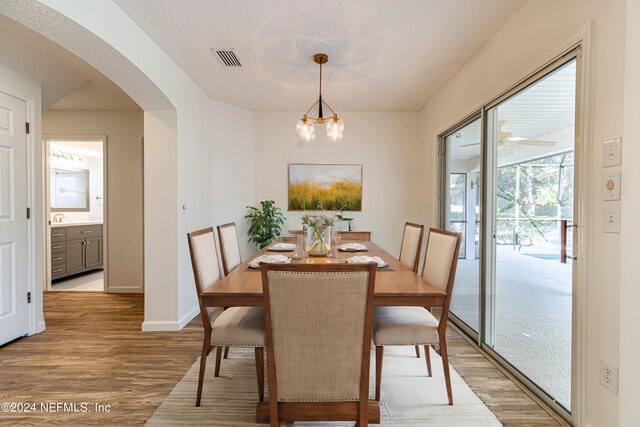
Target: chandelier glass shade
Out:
[334,124]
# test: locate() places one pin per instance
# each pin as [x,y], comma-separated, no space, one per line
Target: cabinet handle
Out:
[86,231]
[56,259]
[56,235]
[56,270]
[57,247]
[86,243]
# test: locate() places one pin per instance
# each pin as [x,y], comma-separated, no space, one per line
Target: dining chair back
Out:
[229,247]
[411,245]
[237,326]
[441,259]
[318,339]
[206,269]
[417,325]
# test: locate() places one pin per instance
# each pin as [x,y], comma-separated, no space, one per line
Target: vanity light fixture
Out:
[334,124]
[64,155]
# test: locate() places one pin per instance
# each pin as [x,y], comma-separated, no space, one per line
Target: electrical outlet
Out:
[609,376]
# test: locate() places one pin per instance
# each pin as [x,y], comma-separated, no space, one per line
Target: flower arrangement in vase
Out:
[318,234]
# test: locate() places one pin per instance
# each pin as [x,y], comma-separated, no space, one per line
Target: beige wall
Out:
[630,239]
[232,168]
[124,130]
[537,29]
[160,195]
[384,143]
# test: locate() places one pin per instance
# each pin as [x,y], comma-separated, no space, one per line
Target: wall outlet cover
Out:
[611,186]
[611,218]
[612,153]
[609,376]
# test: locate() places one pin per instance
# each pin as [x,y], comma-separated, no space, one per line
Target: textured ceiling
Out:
[88,47]
[67,81]
[383,55]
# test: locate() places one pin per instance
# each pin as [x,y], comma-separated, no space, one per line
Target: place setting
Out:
[352,247]
[363,259]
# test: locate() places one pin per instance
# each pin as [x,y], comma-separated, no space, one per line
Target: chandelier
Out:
[334,124]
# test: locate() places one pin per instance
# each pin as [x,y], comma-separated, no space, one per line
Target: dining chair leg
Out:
[379,355]
[218,358]
[418,351]
[260,372]
[427,356]
[206,344]
[445,367]
[226,352]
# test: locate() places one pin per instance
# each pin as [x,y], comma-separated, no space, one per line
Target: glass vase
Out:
[318,242]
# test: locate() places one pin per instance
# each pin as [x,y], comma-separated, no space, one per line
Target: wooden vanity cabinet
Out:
[75,249]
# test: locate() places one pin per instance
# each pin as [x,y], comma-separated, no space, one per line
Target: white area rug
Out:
[409,397]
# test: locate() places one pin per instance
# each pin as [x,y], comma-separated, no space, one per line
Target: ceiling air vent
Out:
[227,57]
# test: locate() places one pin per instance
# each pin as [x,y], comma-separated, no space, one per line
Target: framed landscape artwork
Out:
[325,187]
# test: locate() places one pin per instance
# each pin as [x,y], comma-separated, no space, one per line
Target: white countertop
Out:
[72,223]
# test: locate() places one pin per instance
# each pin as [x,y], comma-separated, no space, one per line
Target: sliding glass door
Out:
[508,187]
[529,162]
[462,214]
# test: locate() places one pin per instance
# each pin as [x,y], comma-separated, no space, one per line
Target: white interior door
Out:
[13,219]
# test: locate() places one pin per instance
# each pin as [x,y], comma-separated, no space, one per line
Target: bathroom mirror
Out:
[69,190]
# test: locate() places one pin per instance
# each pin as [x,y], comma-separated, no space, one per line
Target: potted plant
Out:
[265,224]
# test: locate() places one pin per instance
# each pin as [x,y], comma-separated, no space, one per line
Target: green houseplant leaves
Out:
[265,224]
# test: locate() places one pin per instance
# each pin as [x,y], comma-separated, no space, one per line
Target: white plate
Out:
[367,259]
[282,247]
[352,247]
[269,259]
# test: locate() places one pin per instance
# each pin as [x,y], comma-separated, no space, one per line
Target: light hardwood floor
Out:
[93,351]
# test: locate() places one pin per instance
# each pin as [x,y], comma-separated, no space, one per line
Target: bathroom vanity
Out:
[75,248]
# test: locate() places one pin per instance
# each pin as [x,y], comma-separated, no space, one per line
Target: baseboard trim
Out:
[159,326]
[40,327]
[188,317]
[124,290]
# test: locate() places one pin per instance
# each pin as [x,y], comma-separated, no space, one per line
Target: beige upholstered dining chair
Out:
[416,325]
[235,326]
[318,339]
[229,247]
[411,245]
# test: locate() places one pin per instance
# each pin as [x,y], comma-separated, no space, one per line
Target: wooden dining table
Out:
[396,285]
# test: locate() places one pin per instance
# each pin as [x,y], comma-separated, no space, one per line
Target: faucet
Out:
[58,217]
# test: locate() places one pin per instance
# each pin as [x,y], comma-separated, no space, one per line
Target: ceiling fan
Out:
[506,139]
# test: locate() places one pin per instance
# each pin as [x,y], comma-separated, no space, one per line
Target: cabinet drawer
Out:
[84,231]
[57,247]
[58,234]
[57,259]
[58,270]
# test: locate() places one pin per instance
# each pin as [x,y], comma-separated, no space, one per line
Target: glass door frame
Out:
[441,215]
[580,245]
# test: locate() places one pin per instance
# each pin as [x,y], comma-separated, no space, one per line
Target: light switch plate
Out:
[612,153]
[611,186]
[611,218]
